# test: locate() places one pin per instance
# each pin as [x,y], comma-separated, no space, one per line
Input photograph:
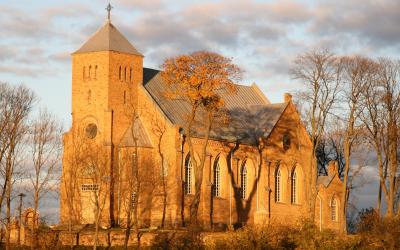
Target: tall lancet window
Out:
[84,73]
[130,75]
[278,184]
[188,175]
[125,74]
[334,210]
[95,72]
[90,71]
[120,73]
[217,180]
[243,181]
[294,184]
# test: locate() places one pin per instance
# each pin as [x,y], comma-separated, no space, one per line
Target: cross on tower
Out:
[109,7]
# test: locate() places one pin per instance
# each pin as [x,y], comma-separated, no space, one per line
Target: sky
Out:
[263,38]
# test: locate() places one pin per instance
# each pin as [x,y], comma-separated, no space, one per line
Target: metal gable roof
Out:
[250,114]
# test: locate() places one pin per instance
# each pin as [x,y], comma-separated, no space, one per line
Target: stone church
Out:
[127,149]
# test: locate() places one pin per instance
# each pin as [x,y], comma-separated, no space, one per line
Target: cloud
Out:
[374,23]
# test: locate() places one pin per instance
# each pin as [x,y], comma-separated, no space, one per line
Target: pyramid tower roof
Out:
[108,38]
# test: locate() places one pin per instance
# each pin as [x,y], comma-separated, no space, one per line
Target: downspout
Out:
[112,220]
[230,194]
[320,213]
[119,186]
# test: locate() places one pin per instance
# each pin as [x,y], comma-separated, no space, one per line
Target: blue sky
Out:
[263,37]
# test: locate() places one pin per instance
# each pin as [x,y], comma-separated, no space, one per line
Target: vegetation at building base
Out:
[370,232]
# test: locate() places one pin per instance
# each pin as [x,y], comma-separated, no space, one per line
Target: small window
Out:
[95,72]
[243,181]
[120,73]
[278,183]
[217,180]
[89,187]
[84,73]
[124,97]
[188,175]
[130,75]
[125,74]
[90,71]
[334,210]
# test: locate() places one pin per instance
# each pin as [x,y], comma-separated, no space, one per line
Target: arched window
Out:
[334,210]
[217,179]
[243,181]
[90,71]
[95,72]
[125,74]
[130,75]
[120,73]
[188,175]
[124,97]
[84,73]
[294,188]
[278,183]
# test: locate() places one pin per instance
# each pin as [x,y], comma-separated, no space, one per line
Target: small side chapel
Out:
[126,149]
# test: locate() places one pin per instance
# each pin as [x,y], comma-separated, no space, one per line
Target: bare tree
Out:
[159,130]
[15,106]
[196,78]
[45,148]
[94,172]
[319,73]
[356,73]
[389,85]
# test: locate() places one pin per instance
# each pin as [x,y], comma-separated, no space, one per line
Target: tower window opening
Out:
[130,75]
[95,72]
[90,69]
[125,74]
[84,73]
[120,73]
[124,97]
[89,97]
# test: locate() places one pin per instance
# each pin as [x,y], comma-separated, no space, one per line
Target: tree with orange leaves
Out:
[199,78]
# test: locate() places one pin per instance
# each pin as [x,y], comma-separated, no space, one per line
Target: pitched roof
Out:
[139,133]
[250,113]
[108,38]
[324,180]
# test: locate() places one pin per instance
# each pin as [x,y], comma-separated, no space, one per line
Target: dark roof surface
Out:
[250,113]
[108,38]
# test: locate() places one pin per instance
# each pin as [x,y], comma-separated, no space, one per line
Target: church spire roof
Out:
[108,38]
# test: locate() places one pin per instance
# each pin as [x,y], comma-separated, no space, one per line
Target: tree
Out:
[45,148]
[15,106]
[319,73]
[388,82]
[197,78]
[356,73]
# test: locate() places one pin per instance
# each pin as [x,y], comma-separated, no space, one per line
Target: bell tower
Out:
[106,73]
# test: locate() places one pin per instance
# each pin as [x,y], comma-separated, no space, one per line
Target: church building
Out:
[127,150]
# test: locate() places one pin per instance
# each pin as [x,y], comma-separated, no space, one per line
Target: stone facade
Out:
[118,127]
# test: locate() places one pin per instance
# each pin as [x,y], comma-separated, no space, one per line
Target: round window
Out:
[91,131]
